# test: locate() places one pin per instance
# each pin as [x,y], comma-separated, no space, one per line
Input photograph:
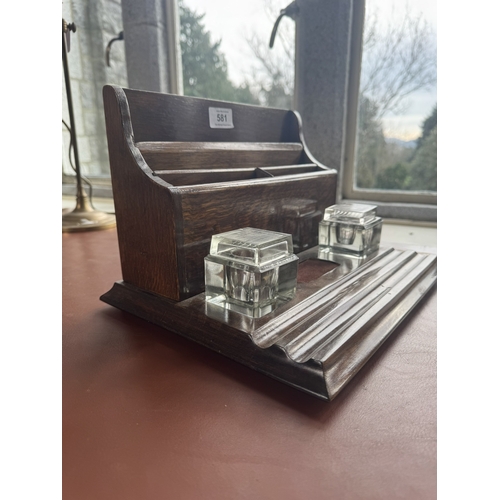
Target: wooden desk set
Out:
[185,169]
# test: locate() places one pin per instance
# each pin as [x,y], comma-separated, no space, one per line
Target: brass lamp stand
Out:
[84,217]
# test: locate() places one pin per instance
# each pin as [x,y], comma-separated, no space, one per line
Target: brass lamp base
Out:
[85,218]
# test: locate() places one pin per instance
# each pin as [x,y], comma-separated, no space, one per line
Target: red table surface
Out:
[150,415]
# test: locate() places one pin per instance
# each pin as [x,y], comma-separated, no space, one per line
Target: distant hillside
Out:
[399,142]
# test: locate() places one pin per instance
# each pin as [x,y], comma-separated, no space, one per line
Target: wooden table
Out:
[150,415]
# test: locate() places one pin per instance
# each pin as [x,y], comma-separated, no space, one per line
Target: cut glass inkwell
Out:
[350,228]
[250,270]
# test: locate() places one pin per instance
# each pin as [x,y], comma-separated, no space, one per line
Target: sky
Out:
[232,21]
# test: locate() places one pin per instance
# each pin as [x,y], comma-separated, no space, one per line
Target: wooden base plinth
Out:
[317,341]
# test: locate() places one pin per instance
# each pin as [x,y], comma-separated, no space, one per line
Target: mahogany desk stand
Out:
[178,179]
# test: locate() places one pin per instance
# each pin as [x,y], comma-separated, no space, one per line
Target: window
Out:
[391,140]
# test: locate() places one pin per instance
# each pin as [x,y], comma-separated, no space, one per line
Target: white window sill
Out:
[409,234]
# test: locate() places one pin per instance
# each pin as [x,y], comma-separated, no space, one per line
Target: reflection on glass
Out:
[301,219]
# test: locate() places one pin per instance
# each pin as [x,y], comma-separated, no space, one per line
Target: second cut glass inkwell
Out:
[350,228]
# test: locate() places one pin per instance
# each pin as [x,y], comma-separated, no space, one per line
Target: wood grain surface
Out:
[169,117]
[216,155]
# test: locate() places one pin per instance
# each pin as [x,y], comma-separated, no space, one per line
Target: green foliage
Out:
[396,176]
[371,144]
[424,164]
[430,123]
[204,65]
[381,165]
